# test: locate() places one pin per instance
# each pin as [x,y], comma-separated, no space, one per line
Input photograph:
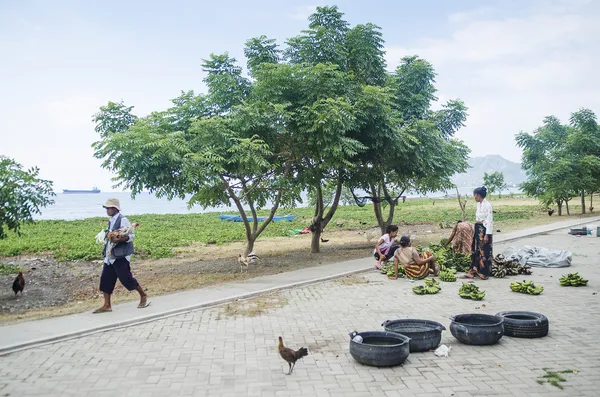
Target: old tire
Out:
[524,324]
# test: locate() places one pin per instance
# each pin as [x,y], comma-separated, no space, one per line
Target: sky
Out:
[511,62]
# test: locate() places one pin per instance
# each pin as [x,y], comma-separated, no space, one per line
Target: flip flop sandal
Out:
[140,306]
[98,311]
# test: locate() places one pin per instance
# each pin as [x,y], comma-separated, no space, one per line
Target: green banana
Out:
[573,280]
[471,291]
[526,287]
[431,287]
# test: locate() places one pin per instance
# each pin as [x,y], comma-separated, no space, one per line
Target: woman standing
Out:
[481,257]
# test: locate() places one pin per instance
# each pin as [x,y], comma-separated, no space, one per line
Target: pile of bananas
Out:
[572,280]
[502,268]
[471,291]
[526,287]
[388,270]
[446,257]
[447,274]
[431,287]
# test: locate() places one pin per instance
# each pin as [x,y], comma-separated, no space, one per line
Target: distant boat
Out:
[237,218]
[94,190]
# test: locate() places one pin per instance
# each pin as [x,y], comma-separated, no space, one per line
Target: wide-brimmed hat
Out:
[112,203]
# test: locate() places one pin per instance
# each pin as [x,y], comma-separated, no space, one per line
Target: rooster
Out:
[245,261]
[550,212]
[19,284]
[291,356]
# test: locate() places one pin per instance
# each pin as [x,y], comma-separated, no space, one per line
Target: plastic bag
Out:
[539,257]
[442,351]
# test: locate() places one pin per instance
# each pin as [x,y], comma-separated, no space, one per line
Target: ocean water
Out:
[81,206]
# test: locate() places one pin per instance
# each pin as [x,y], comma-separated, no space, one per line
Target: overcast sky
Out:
[512,62]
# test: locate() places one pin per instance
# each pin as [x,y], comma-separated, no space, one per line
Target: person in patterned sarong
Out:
[461,237]
[414,267]
[481,258]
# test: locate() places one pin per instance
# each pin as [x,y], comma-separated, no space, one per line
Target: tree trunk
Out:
[559,203]
[250,244]
[320,221]
[591,202]
[583,202]
[252,232]
[315,243]
[567,205]
[461,204]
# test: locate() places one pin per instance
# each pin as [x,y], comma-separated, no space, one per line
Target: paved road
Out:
[209,353]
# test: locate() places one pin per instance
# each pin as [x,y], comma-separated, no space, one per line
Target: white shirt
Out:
[387,242]
[485,215]
[124,223]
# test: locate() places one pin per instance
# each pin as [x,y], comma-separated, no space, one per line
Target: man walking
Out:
[116,263]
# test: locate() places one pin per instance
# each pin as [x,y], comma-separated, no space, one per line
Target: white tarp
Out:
[538,257]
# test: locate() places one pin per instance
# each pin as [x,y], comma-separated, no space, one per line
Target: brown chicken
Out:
[291,356]
[19,284]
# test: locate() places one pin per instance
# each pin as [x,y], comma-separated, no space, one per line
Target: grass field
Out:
[158,235]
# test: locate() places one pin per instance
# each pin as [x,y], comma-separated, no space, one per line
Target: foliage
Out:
[163,235]
[494,182]
[22,195]
[411,147]
[9,270]
[562,161]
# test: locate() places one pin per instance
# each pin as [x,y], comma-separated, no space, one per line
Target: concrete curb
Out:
[5,350]
[170,313]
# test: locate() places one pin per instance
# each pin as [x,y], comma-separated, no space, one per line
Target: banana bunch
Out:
[526,287]
[502,267]
[498,271]
[524,270]
[572,280]
[388,270]
[431,287]
[447,274]
[471,291]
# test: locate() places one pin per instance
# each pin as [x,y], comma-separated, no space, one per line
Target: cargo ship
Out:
[94,190]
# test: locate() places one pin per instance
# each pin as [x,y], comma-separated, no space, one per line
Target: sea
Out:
[81,206]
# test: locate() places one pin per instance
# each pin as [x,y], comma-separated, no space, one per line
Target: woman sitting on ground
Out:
[461,237]
[414,267]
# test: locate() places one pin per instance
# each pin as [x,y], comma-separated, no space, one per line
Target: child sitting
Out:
[385,248]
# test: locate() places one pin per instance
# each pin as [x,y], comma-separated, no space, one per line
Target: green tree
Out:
[411,147]
[22,194]
[494,182]
[213,147]
[562,161]
[583,144]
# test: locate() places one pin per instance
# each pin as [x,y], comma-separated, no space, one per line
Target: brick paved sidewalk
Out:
[210,353]
[34,332]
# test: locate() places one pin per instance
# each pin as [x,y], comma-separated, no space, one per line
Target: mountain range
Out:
[513,174]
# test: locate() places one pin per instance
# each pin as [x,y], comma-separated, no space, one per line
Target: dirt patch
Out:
[255,306]
[59,288]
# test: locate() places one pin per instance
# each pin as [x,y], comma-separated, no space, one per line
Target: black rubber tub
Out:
[380,349]
[424,335]
[477,329]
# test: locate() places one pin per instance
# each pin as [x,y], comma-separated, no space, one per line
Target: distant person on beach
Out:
[385,248]
[117,261]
